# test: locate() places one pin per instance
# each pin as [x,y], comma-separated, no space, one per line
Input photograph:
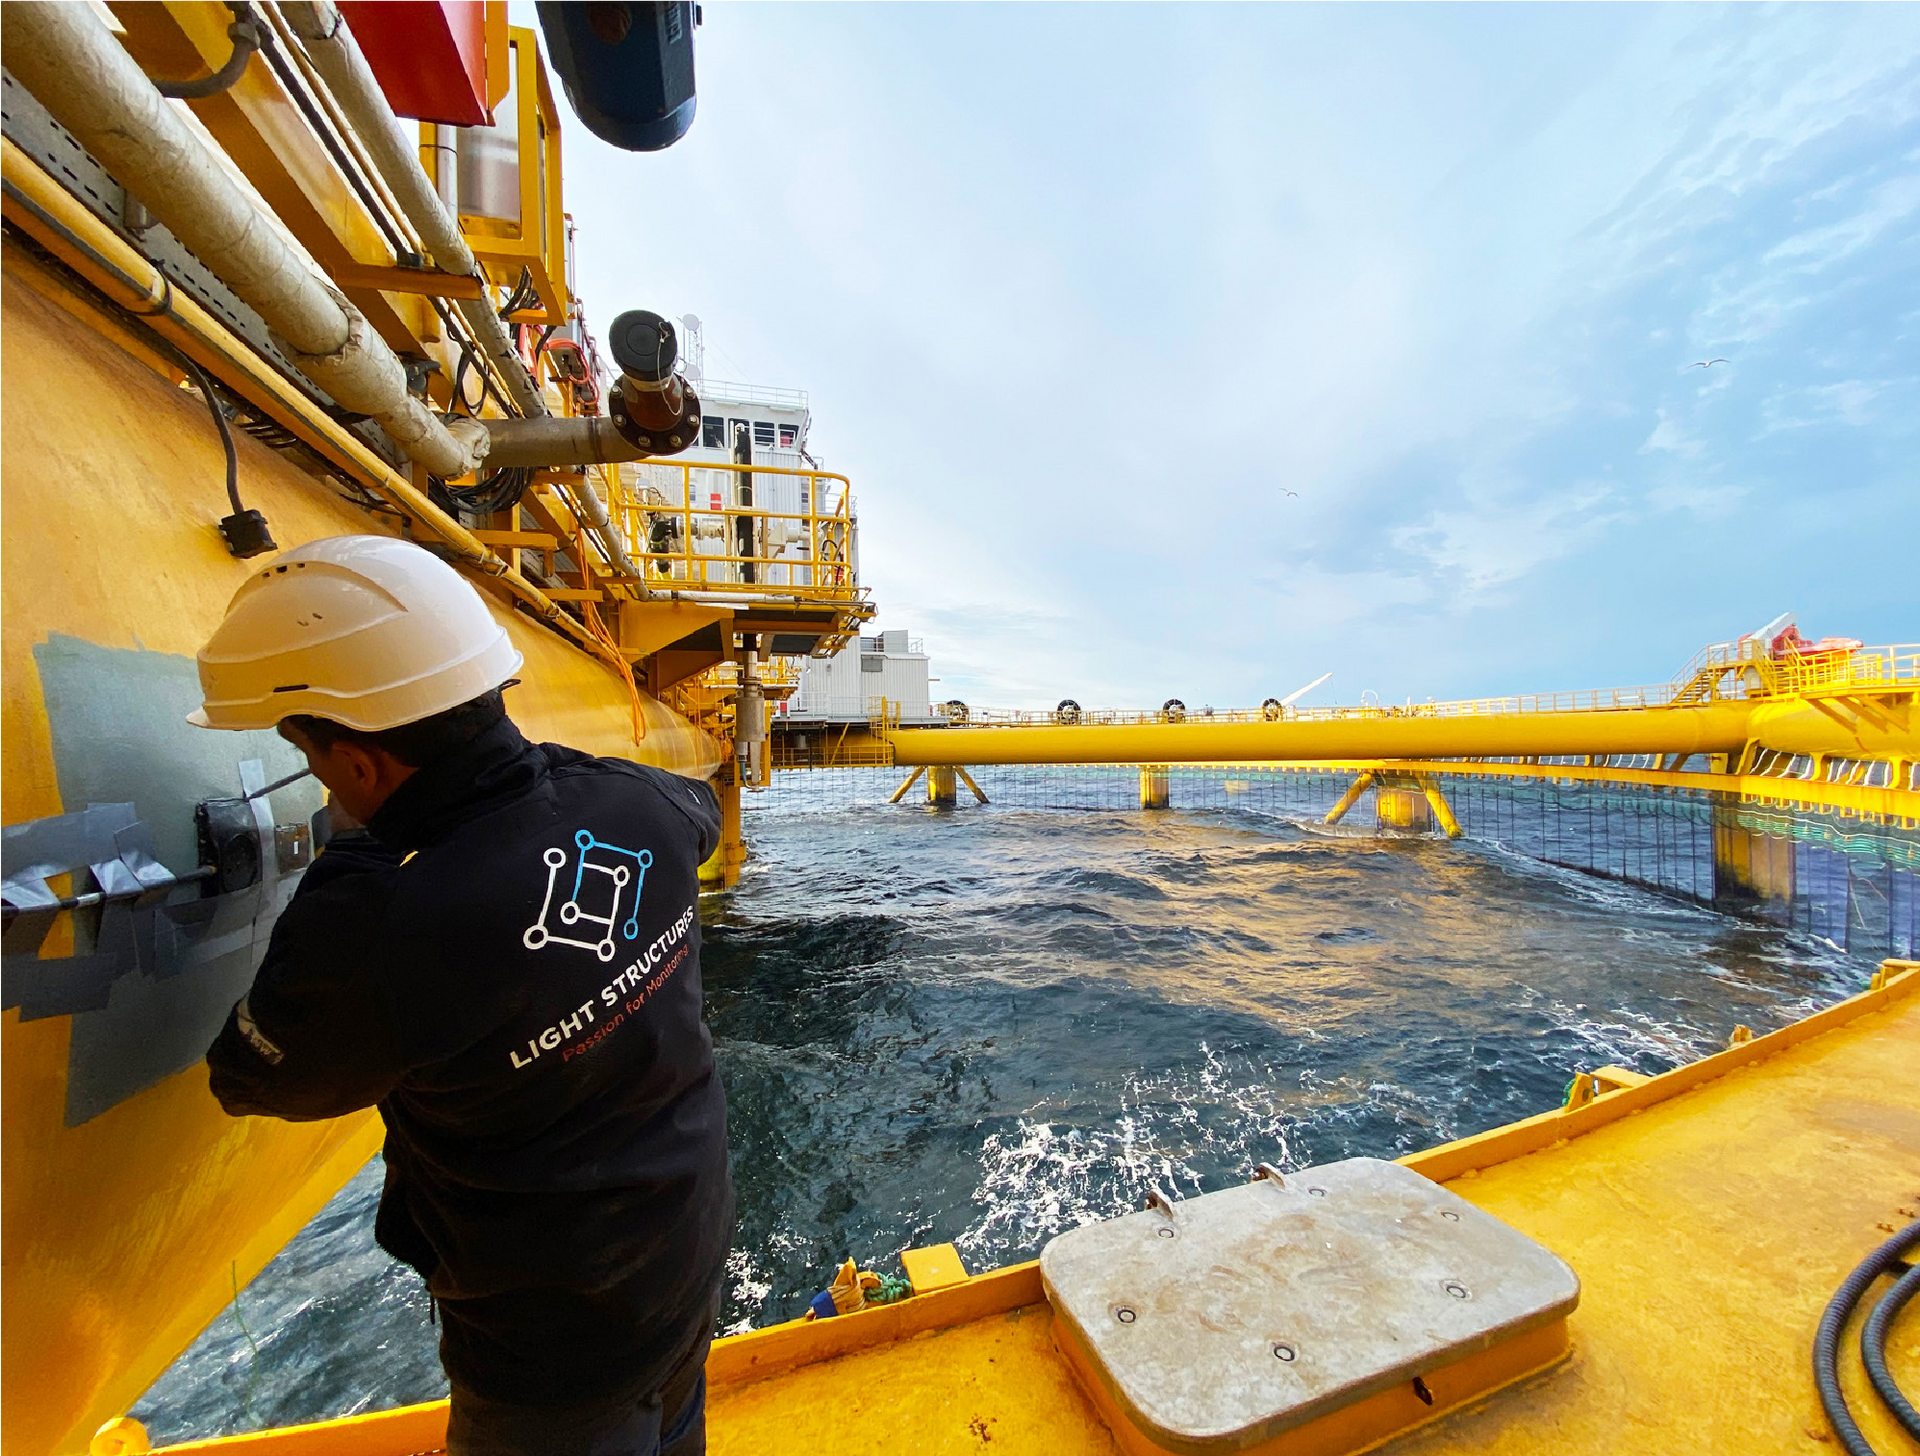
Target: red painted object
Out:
[430,58]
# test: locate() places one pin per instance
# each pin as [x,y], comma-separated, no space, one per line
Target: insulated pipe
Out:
[337,57]
[75,67]
[1710,728]
[47,213]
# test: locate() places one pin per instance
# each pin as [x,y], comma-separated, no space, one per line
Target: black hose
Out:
[226,434]
[1826,1344]
[245,35]
[525,294]
[1873,1349]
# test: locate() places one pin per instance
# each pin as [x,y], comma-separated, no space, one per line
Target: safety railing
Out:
[685,523]
[962,715]
[1719,672]
[1897,666]
[1743,668]
[725,391]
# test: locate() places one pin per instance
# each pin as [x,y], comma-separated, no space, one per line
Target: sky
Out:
[1195,351]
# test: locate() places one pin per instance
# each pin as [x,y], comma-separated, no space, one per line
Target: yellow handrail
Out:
[808,555]
[1894,667]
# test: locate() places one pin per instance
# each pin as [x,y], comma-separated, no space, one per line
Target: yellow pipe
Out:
[1442,810]
[1347,800]
[43,209]
[967,779]
[908,782]
[1885,803]
[1710,728]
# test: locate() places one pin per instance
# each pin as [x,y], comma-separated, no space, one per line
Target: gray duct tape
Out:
[152,977]
[34,852]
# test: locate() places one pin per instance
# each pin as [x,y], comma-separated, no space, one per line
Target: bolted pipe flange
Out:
[659,439]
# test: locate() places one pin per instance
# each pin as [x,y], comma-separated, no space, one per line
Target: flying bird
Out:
[1285,491]
[1707,363]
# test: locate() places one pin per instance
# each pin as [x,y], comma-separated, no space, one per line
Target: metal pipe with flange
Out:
[537,444]
[79,71]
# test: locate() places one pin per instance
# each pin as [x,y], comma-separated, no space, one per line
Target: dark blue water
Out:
[988,1025]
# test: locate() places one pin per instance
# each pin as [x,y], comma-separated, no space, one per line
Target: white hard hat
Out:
[365,630]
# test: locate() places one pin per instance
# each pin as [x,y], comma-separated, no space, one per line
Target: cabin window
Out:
[713,433]
[763,432]
[788,434]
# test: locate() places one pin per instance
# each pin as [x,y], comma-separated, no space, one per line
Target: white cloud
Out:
[1079,291]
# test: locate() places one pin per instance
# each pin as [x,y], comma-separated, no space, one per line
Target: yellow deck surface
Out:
[1709,1213]
[1708,1230]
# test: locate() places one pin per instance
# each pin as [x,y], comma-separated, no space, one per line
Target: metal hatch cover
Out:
[1220,1322]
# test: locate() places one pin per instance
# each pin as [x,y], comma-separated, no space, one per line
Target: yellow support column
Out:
[941,788]
[1397,808]
[1153,787]
[908,782]
[1750,866]
[1442,810]
[967,779]
[722,868]
[1347,800]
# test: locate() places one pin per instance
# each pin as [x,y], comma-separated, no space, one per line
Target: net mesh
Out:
[1849,881]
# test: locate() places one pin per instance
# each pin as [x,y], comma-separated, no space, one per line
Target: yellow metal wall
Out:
[122,1234]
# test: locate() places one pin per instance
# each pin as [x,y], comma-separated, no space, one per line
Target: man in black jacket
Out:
[506,962]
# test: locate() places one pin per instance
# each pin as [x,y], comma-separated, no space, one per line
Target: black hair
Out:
[414,744]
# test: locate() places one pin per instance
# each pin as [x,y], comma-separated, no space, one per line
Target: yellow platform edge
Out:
[766,1354]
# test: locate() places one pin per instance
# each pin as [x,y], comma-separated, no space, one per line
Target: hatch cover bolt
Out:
[1455,1288]
[1165,1233]
[1450,1215]
[1318,1192]
[1124,1315]
[1283,1351]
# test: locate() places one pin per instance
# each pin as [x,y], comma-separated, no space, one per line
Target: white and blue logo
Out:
[601,874]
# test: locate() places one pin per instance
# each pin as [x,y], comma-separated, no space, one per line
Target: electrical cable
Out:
[457,329]
[1833,1323]
[245,532]
[524,294]
[498,491]
[1873,1350]
[226,433]
[245,35]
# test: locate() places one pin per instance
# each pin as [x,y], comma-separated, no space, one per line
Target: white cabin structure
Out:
[850,686]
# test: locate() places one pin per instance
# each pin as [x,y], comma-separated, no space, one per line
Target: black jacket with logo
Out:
[508,965]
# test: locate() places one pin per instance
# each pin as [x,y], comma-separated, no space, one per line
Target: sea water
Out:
[987,1025]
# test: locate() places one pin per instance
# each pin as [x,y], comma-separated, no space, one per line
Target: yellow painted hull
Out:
[124,1234]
